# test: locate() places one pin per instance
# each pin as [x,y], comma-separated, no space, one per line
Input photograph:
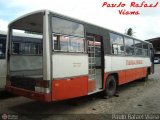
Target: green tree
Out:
[130,32]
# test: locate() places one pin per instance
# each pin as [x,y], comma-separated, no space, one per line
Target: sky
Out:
[146,25]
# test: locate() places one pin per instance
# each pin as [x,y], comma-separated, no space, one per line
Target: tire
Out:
[111,86]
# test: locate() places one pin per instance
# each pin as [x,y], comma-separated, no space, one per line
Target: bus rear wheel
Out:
[111,86]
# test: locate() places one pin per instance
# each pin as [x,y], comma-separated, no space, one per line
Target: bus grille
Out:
[22,82]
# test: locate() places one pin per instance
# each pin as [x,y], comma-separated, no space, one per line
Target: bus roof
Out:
[25,15]
[83,22]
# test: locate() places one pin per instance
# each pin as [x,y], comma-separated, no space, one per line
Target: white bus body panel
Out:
[68,65]
[116,63]
[2,73]
[25,65]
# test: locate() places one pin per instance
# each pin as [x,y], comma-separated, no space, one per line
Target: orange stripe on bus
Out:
[131,75]
[69,88]
[125,76]
[46,97]
[91,85]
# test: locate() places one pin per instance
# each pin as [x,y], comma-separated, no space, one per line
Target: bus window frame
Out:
[68,50]
[4,42]
[145,49]
[38,54]
[129,46]
[52,33]
[111,45]
[133,55]
[142,55]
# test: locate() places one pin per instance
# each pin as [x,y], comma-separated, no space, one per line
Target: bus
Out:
[19,45]
[2,59]
[78,59]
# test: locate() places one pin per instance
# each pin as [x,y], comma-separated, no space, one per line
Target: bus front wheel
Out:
[111,86]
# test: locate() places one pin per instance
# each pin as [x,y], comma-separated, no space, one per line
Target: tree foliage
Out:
[130,32]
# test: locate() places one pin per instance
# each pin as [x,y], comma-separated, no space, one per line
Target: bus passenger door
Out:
[95,62]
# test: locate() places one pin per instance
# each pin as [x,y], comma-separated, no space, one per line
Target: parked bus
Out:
[77,59]
[2,59]
[20,45]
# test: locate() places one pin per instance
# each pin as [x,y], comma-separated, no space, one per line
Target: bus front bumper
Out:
[46,97]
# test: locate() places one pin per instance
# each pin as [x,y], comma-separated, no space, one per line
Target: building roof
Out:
[155,42]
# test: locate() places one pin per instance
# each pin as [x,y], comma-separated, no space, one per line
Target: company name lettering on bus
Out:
[76,64]
[133,62]
[142,4]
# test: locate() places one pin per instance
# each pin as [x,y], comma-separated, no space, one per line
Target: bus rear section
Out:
[59,70]
[25,59]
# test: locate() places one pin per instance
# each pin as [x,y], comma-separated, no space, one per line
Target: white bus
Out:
[22,42]
[77,59]
[2,59]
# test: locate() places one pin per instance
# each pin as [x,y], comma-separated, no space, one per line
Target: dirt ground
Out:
[137,97]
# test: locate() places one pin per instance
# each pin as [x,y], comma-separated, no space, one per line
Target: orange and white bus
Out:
[77,59]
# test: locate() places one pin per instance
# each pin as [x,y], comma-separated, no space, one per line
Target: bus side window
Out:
[129,46]
[16,48]
[67,43]
[2,50]
[117,44]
